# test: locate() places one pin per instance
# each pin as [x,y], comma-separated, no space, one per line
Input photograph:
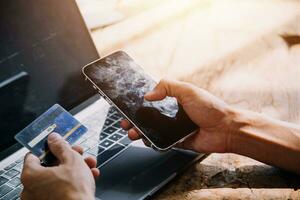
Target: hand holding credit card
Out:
[56,119]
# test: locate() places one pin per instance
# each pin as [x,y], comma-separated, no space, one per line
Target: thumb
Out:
[59,147]
[166,88]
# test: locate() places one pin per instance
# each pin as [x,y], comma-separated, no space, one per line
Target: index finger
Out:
[125,124]
[32,167]
[31,162]
[133,134]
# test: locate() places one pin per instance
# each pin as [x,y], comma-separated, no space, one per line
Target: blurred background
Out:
[237,49]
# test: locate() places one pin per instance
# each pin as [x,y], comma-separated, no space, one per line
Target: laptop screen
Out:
[43,46]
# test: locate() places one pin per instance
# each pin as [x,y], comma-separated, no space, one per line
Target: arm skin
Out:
[265,139]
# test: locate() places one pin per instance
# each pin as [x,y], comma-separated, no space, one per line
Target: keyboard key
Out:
[84,147]
[101,158]
[115,137]
[93,151]
[125,141]
[3,180]
[95,137]
[112,110]
[8,167]
[19,167]
[14,182]
[110,130]
[13,195]
[100,150]
[108,122]
[115,116]
[123,132]
[11,173]
[20,160]
[91,143]
[111,113]
[103,136]
[4,189]
[1,172]
[96,150]
[117,124]
[106,143]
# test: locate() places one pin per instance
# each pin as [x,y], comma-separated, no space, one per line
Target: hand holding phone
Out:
[124,83]
[208,112]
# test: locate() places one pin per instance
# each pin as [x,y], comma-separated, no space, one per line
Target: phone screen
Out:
[125,83]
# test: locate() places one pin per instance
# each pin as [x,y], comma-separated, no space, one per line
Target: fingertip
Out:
[149,95]
[31,162]
[78,149]
[91,162]
[133,134]
[157,94]
[95,172]
[59,147]
[52,137]
[125,124]
[26,155]
[29,157]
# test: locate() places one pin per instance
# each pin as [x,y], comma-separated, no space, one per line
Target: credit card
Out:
[56,119]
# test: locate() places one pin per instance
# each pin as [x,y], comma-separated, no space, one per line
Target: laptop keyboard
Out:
[111,141]
[10,183]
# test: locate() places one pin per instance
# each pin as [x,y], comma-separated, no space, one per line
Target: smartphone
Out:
[123,83]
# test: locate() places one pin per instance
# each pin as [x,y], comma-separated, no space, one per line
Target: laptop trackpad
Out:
[138,171]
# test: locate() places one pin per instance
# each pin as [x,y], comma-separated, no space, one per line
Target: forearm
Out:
[270,141]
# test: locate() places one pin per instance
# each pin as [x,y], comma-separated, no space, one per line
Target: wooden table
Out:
[236,50]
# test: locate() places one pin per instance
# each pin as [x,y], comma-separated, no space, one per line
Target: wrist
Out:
[265,139]
[245,128]
[237,120]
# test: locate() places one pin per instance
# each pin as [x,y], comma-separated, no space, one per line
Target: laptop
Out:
[43,46]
